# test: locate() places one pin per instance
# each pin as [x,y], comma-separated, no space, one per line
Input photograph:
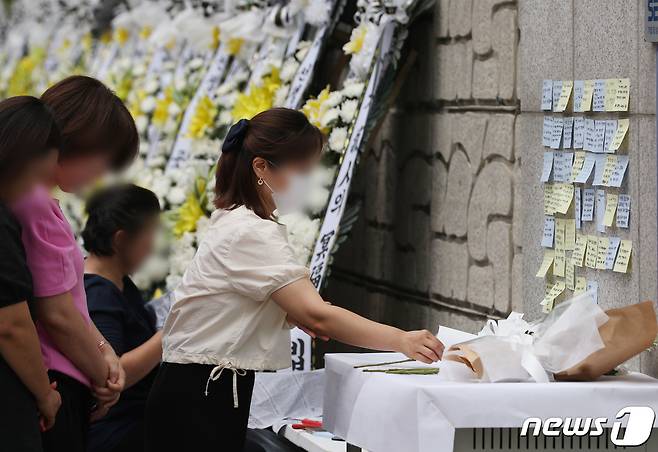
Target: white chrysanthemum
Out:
[202,226]
[151,86]
[329,117]
[142,123]
[195,63]
[334,99]
[176,196]
[317,200]
[225,117]
[316,12]
[353,89]
[337,139]
[289,70]
[281,95]
[324,176]
[174,109]
[148,104]
[348,110]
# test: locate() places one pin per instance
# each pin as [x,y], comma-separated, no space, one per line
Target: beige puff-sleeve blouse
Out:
[223,313]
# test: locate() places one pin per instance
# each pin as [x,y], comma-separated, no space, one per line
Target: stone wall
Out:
[452,204]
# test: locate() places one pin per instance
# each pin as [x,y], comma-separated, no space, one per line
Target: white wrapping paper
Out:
[514,350]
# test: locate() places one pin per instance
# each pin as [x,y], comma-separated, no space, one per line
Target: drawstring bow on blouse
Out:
[216,372]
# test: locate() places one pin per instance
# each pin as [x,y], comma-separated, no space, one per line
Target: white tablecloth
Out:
[383,412]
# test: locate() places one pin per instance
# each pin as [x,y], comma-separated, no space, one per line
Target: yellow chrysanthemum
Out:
[135,104]
[215,37]
[314,109]
[121,35]
[234,45]
[145,32]
[87,41]
[203,119]
[21,81]
[258,98]
[356,41]
[188,215]
[161,110]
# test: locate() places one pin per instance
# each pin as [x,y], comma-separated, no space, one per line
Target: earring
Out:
[260,181]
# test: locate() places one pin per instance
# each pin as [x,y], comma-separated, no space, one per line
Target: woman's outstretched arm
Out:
[303,303]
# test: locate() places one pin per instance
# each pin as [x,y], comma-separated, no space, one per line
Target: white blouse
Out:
[223,313]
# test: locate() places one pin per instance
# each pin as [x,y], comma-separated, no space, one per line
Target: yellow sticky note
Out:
[549,298]
[549,208]
[569,234]
[549,256]
[578,254]
[581,285]
[610,209]
[592,251]
[559,262]
[578,161]
[623,256]
[563,194]
[588,93]
[559,233]
[610,94]
[602,252]
[620,133]
[565,94]
[609,168]
[622,94]
[570,275]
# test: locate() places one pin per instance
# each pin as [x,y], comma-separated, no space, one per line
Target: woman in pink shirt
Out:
[98,135]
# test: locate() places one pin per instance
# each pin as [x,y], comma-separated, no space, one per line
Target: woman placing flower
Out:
[243,290]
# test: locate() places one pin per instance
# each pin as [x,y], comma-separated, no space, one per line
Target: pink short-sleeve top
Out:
[57,266]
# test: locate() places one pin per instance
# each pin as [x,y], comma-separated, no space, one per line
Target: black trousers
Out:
[19,419]
[180,417]
[72,422]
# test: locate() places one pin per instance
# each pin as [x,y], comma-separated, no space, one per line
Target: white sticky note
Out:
[623,211]
[549,232]
[622,94]
[590,130]
[567,133]
[598,143]
[578,88]
[593,286]
[556,136]
[617,177]
[547,95]
[577,207]
[611,254]
[557,91]
[600,210]
[562,165]
[598,100]
[578,132]
[583,175]
[610,131]
[547,133]
[600,168]
[548,167]
[588,204]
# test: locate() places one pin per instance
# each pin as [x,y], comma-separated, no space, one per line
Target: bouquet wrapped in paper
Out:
[576,341]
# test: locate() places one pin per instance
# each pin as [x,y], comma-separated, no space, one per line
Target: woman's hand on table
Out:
[421,346]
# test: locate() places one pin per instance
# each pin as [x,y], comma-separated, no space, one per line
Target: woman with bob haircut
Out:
[97,135]
[29,139]
[119,235]
[243,291]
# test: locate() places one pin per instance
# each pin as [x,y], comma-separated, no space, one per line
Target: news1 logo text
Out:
[639,423]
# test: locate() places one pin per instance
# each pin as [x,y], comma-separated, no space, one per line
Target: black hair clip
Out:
[235,136]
